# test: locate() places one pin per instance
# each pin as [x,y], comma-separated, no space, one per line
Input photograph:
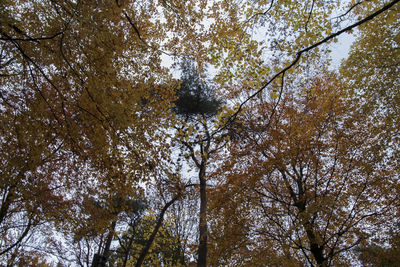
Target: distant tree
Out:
[199,136]
[195,97]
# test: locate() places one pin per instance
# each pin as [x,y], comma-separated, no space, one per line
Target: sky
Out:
[341,49]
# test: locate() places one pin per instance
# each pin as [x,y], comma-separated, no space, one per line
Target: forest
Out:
[199,133]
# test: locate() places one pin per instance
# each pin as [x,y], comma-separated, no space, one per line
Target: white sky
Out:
[341,49]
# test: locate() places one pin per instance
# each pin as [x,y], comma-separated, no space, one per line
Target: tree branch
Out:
[309,48]
[149,242]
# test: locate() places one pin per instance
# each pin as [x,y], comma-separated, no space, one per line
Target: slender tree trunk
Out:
[108,243]
[101,260]
[149,242]
[127,250]
[202,250]
[6,203]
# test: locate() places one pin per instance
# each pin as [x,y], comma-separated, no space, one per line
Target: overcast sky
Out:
[340,50]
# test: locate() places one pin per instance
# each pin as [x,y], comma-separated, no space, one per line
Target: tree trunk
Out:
[6,203]
[300,202]
[127,251]
[149,242]
[316,250]
[101,260]
[202,250]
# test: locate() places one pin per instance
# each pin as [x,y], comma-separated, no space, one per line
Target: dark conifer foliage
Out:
[195,97]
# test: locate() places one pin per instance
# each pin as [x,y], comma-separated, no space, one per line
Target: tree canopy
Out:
[260,154]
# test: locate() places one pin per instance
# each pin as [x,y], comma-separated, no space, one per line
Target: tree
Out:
[200,137]
[250,91]
[29,196]
[371,70]
[317,180]
[195,97]
[83,101]
[85,108]
[383,250]
[164,250]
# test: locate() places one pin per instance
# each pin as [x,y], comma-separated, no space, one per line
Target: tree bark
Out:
[127,250]
[202,250]
[6,203]
[101,260]
[149,242]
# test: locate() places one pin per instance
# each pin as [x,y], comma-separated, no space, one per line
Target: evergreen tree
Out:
[195,97]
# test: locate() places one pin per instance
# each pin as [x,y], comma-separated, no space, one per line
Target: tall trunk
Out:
[108,243]
[6,203]
[202,250]
[127,251]
[300,202]
[101,260]
[149,242]
[316,250]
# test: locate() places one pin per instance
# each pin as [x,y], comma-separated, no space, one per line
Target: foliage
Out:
[313,183]
[194,96]
[372,70]
[166,250]
[286,163]
[377,256]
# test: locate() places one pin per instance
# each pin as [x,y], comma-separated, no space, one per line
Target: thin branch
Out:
[129,19]
[349,10]
[135,28]
[309,15]
[260,13]
[149,242]
[26,231]
[29,39]
[307,49]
